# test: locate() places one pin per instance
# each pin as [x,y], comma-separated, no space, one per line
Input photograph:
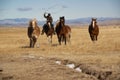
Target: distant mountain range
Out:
[78,21]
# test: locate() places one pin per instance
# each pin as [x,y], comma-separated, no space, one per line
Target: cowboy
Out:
[49,19]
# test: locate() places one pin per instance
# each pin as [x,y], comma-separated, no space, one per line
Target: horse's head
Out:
[94,21]
[49,25]
[62,21]
[34,23]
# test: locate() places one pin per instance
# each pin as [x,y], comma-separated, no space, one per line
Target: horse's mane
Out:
[35,23]
[30,23]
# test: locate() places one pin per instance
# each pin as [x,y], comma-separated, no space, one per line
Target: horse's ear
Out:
[92,18]
[60,17]
[63,17]
[35,19]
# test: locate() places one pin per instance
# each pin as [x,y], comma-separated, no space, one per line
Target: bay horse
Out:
[33,32]
[93,30]
[49,31]
[63,31]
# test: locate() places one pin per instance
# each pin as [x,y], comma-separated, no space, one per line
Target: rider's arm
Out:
[45,15]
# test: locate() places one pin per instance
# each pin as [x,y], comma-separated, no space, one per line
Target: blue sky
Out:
[71,9]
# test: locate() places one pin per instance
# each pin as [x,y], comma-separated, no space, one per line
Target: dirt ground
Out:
[98,61]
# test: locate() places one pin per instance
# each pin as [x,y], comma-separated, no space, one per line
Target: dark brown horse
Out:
[63,31]
[33,32]
[93,30]
[49,31]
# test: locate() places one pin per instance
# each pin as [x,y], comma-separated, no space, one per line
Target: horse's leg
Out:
[96,37]
[30,42]
[59,39]
[62,39]
[42,32]
[91,36]
[51,39]
[68,38]
[65,39]
[48,38]
[34,41]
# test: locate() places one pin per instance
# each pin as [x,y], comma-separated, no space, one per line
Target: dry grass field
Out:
[19,62]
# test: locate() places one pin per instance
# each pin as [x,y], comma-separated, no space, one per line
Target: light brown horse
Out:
[63,31]
[33,32]
[93,29]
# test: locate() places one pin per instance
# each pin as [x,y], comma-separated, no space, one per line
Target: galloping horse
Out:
[63,31]
[93,30]
[49,31]
[33,32]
